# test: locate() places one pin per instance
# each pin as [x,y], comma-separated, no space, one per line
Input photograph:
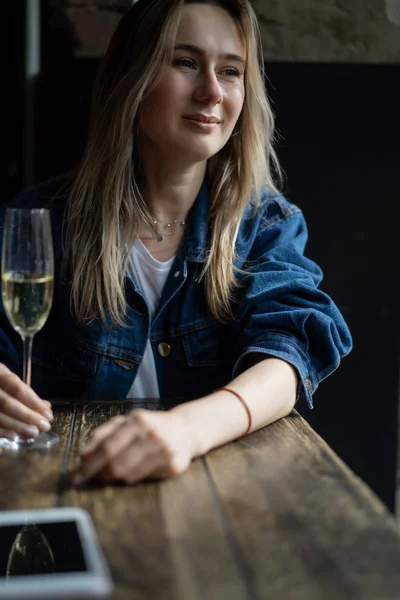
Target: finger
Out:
[100,433]
[136,461]
[12,385]
[11,425]
[142,467]
[133,451]
[13,407]
[14,413]
[156,462]
[114,439]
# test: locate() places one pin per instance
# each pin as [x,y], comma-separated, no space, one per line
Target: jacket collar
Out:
[195,241]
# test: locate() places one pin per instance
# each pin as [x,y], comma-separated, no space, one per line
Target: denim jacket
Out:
[279,311]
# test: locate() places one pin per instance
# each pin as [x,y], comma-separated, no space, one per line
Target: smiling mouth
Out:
[203,119]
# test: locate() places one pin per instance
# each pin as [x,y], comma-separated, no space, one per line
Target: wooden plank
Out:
[275,516]
[32,478]
[302,524]
[161,539]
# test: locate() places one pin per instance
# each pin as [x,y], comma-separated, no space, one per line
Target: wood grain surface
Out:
[276,516]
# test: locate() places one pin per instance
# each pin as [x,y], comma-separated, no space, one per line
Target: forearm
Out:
[269,390]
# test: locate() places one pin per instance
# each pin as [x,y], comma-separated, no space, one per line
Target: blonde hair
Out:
[107,197]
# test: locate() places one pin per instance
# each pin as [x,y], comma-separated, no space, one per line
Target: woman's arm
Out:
[269,390]
[154,444]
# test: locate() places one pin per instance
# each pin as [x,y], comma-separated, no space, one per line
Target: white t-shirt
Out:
[150,275]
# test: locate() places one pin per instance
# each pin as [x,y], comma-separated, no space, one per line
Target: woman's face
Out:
[192,112]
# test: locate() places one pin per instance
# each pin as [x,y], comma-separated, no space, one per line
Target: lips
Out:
[200,118]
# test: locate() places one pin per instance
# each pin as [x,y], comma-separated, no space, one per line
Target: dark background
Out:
[339,145]
[340,149]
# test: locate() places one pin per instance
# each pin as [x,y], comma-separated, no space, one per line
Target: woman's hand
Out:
[140,445]
[22,412]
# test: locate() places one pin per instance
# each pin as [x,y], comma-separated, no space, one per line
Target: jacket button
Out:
[124,364]
[164,349]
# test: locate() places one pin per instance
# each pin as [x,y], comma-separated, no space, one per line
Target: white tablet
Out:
[51,553]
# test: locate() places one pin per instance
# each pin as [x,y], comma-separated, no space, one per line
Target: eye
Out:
[186,63]
[231,72]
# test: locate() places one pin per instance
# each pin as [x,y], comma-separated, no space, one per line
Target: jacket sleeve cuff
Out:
[286,351]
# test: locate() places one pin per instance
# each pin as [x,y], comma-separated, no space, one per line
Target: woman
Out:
[181,268]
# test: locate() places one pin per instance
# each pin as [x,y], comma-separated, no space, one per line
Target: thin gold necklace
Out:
[168,228]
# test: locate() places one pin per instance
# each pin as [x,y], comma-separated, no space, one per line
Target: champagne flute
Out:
[27,277]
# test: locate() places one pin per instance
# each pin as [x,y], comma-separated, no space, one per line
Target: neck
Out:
[171,189]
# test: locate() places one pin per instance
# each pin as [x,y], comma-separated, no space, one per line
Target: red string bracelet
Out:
[239,397]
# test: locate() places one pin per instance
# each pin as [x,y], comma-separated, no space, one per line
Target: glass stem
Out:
[27,368]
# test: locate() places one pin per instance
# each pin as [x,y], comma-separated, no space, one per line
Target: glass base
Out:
[40,442]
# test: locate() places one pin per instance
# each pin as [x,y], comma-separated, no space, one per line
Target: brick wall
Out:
[94,22]
[330,30]
[356,31]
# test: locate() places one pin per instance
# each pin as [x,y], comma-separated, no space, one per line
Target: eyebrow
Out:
[200,52]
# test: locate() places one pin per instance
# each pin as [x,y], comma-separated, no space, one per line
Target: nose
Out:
[208,89]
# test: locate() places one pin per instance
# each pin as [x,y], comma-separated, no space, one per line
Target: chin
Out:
[200,152]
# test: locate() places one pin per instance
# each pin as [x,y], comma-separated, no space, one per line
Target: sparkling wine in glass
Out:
[27,278]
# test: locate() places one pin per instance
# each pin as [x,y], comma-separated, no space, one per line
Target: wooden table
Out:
[276,516]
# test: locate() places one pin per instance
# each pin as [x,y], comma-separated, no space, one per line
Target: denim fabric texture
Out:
[279,311]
